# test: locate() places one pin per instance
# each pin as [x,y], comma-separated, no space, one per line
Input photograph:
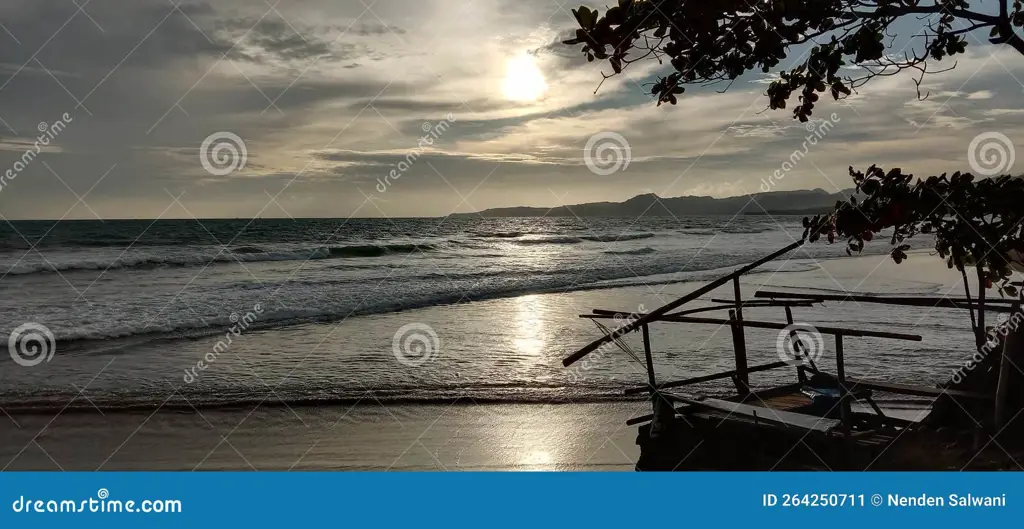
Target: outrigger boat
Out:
[820,421]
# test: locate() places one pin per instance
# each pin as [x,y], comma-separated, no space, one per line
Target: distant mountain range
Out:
[806,202]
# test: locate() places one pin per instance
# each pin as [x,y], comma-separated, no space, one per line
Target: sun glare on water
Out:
[523,79]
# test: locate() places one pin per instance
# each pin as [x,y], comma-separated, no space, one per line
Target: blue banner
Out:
[485,500]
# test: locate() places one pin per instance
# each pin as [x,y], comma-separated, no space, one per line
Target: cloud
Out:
[329,96]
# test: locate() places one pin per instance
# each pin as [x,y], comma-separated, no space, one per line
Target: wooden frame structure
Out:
[848,428]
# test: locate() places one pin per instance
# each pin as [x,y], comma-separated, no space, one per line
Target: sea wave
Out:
[737,230]
[549,240]
[564,239]
[618,237]
[205,257]
[505,284]
[752,229]
[499,234]
[640,251]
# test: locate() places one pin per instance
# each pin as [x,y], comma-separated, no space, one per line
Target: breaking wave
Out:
[208,256]
[640,251]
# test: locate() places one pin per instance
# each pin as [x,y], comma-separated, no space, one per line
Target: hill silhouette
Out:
[804,202]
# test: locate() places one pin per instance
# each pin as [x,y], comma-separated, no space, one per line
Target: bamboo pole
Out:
[920,301]
[740,339]
[1012,353]
[726,305]
[708,378]
[650,361]
[765,303]
[664,309]
[844,397]
[797,346]
[781,326]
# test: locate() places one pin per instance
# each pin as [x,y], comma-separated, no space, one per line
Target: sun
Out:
[523,79]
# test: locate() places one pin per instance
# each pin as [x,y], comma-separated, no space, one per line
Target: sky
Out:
[403,108]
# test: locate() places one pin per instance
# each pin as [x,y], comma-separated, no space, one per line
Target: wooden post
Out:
[741,379]
[650,361]
[1012,353]
[844,401]
[740,339]
[801,374]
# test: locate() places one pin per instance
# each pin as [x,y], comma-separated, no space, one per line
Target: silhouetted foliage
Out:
[711,41]
[976,223]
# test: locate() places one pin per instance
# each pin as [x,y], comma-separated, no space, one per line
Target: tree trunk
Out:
[1008,390]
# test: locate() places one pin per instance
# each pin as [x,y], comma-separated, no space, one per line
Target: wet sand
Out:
[367,436]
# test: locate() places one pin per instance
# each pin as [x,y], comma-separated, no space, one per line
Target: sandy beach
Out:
[367,436]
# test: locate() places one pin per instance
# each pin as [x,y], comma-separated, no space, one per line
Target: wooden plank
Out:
[599,314]
[763,303]
[707,378]
[780,326]
[912,301]
[788,419]
[784,402]
[605,314]
[639,420]
[664,309]
[908,389]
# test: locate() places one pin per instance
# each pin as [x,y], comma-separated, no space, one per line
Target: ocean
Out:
[214,313]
